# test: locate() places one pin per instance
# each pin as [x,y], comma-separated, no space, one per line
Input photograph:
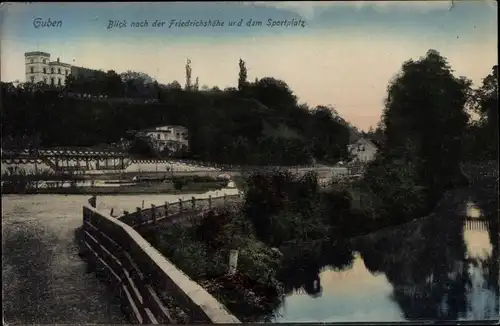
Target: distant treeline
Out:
[259,123]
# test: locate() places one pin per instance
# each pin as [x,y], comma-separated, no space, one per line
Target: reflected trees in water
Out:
[302,275]
[431,273]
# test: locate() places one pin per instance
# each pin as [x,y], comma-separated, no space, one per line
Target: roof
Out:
[376,143]
[153,129]
[368,139]
[83,70]
[27,54]
[58,63]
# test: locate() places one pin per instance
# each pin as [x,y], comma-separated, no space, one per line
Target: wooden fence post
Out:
[233,261]
[166,208]
[143,204]
[93,201]
[153,213]
[193,202]
[139,216]
[180,205]
[209,201]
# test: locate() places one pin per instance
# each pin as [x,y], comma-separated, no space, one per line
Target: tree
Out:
[273,93]
[242,80]
[425,109]
[483,135]
[113,85]
[486,97]
[196,86]
[328,137]
[188,75]
[137,76]
[174,85]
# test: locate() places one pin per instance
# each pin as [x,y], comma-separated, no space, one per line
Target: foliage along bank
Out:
[284,221]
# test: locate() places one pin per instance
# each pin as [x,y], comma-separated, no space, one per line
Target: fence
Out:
[142,277]
[175,210]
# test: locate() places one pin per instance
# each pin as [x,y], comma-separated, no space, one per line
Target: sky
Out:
[333,53]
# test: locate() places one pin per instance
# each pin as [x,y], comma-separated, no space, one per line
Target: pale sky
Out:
[345,55]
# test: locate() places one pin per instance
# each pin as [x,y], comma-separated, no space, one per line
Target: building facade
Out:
[363,150]
[39,68]
[82,72]
[173,138]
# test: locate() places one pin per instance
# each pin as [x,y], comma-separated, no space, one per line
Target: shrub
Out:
[19,180]
[396,184]
[178,184]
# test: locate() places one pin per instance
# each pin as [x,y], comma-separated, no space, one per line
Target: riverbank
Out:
[201,249]
[482,189]
[175,185]
[303,231]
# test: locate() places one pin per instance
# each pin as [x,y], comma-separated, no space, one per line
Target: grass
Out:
[202,252]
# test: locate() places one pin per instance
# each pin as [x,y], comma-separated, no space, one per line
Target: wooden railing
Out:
[142,277]
[174,210]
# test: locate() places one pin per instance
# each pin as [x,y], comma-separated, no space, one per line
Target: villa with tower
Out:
[39,68]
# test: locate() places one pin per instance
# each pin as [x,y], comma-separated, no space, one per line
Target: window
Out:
[52,70]
[158,136]
[44,60]
[178,135]
[52,81]
[32,79]
[31,60]
[59,71]
[45,80]
[59,82]
[44,70]
[67,72]
[32,69]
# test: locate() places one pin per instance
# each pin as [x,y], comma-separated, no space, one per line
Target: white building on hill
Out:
[39,68]
[172,137]
[363,150]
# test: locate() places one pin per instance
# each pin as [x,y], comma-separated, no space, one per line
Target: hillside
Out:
[261,124]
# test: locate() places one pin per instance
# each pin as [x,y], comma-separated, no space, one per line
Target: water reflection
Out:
[343,295]
[443,268]
[481,296]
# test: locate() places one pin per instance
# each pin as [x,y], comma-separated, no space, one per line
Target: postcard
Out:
[249,162]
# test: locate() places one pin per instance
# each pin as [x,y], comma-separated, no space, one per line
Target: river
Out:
[441,268]
[444,267]
[44,279]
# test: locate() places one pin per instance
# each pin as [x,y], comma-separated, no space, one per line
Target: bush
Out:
[283,208]
[178,183]
[396,183]
[202,252]
[17,180]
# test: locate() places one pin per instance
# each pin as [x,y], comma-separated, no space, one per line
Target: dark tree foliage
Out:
[261,125]
[482,134]
[426,107]
[424,121]
[242,78]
